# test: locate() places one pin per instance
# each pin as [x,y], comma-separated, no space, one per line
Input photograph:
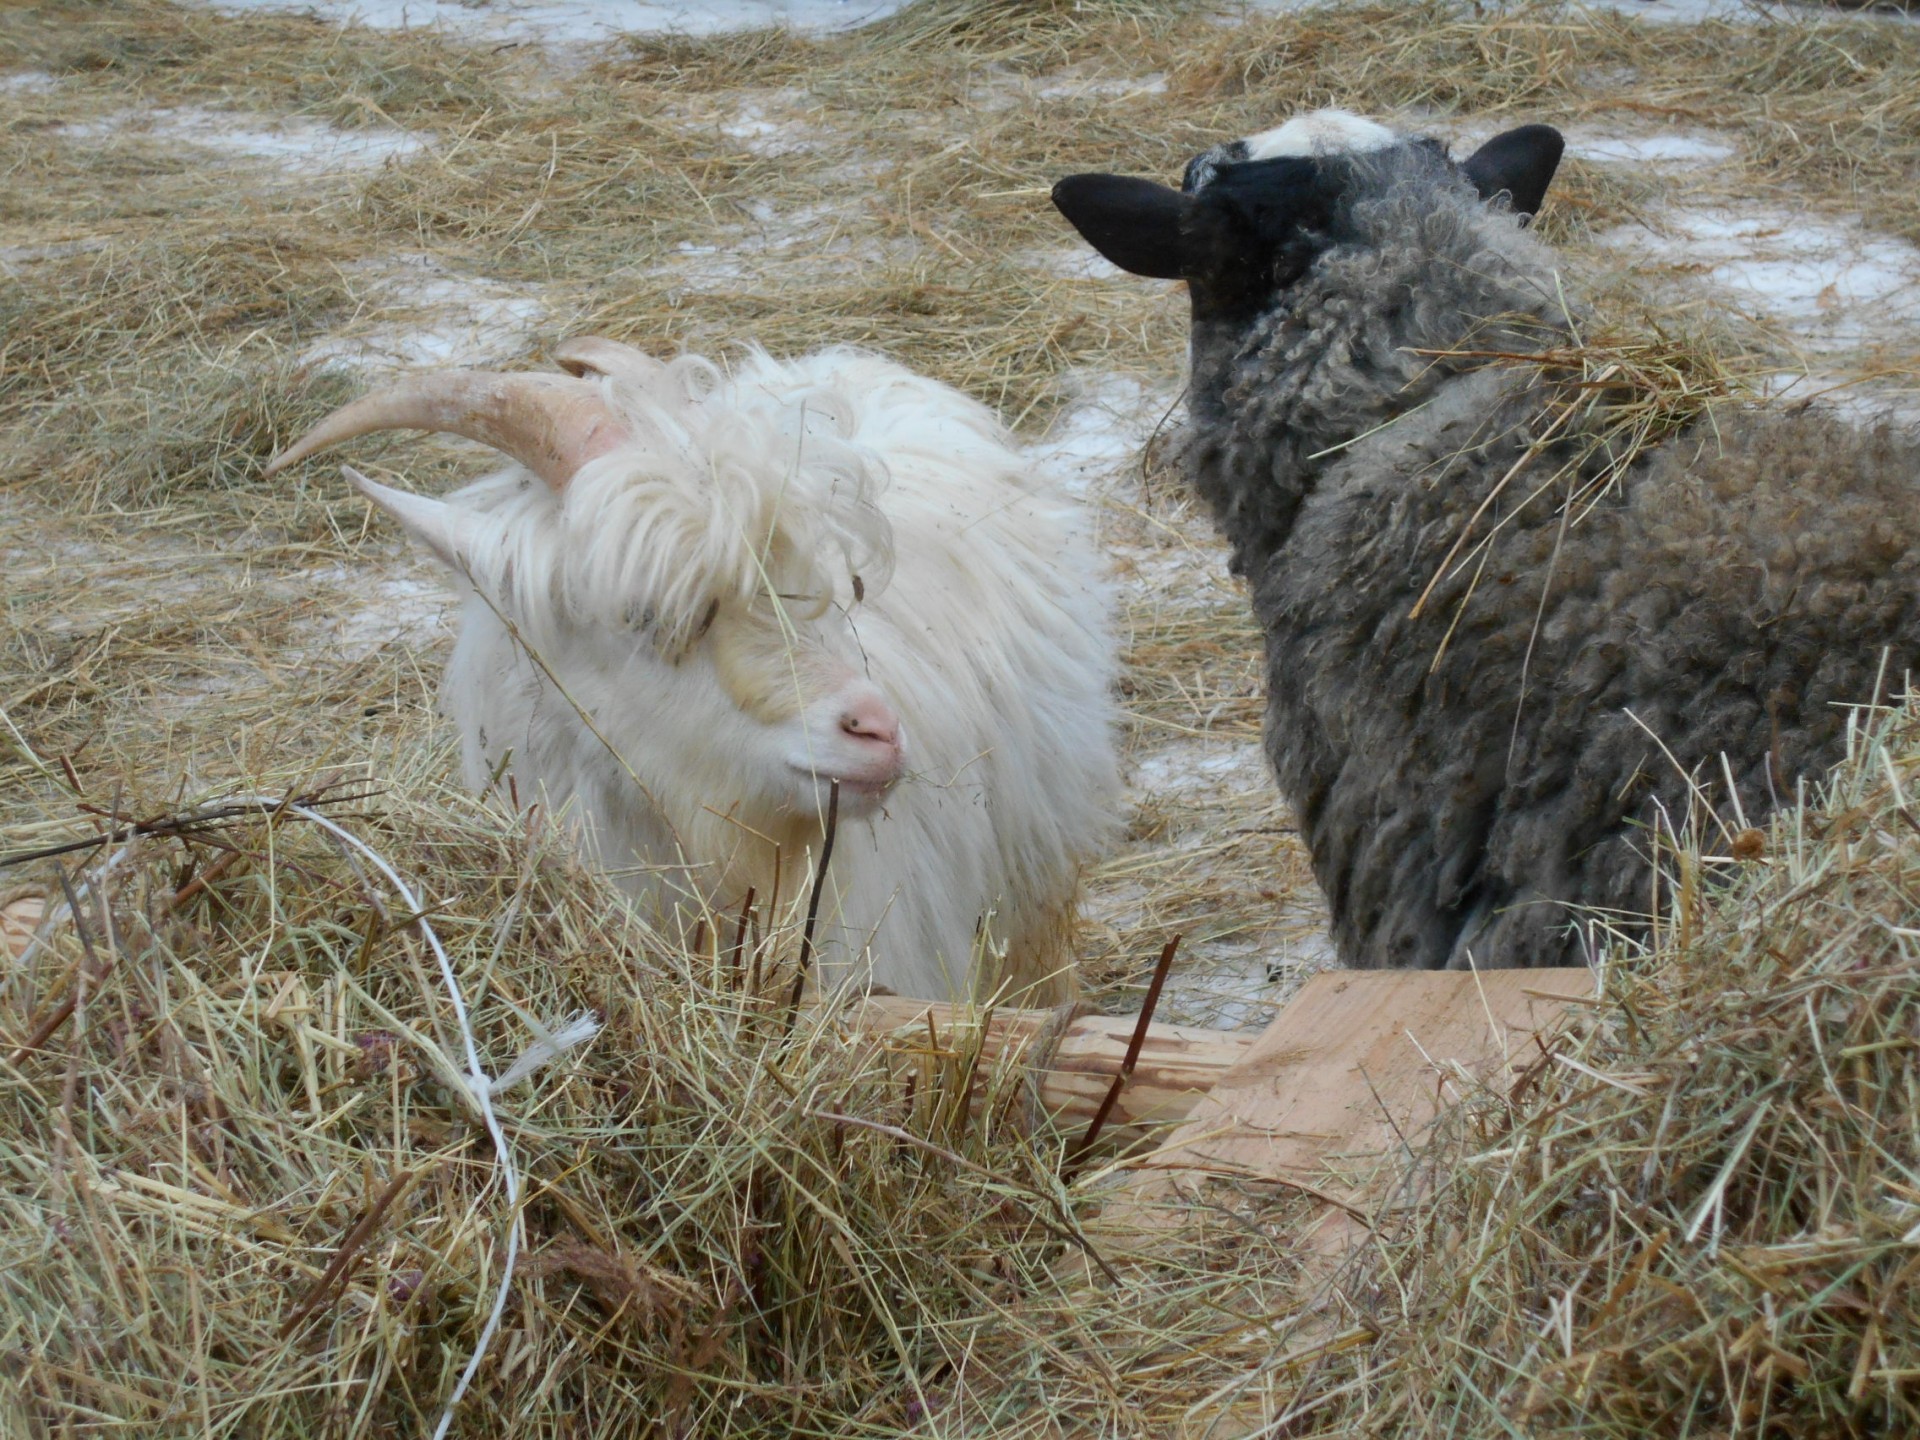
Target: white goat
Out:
[733,589]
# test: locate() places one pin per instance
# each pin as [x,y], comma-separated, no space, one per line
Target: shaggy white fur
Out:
[802,570]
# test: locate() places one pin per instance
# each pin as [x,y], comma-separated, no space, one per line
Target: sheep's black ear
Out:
[1520,162]
[1134,223]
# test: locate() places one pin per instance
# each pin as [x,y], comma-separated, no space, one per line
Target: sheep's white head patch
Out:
[1252,215]
[1319,132]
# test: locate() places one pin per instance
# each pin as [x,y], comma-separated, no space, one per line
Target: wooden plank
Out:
[18,920]
[1178,1064]
[1355,1067]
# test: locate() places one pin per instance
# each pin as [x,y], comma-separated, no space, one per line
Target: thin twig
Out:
[189,824]
[739,939]
[350,1247]
[195,884]
[813,903]
[1133,1053]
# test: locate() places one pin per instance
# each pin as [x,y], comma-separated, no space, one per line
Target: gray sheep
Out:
[1476,774]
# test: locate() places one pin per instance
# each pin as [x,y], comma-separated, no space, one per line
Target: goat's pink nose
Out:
[871,718]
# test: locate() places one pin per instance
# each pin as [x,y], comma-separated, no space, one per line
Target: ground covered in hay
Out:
[239,1149]
[1696,1214]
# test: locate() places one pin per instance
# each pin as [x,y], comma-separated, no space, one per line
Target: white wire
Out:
[480,1086]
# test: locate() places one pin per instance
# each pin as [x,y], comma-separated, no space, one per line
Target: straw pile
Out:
[241,1149]
[243,1155]
[238,1145]
[1699,1216]
[252,1191]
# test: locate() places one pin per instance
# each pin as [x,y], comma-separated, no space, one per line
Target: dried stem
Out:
[350,1247]
[813,904]
[1099,1120]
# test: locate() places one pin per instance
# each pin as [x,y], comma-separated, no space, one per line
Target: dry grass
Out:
[1700,1216]
[886,220]
[240,1151]
[248,1069]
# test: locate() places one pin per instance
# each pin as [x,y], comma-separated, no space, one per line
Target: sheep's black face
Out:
[1256,228]
[1251,228]
[1248,225]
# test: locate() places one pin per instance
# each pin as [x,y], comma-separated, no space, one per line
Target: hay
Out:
[212,1141]
[1698,1215]
[879,222]
[1605,399]
[241,1151]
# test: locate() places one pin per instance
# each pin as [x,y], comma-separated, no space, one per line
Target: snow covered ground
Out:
[562,22]
[300,144]
[1201,795]
[414,311]
[1833,283]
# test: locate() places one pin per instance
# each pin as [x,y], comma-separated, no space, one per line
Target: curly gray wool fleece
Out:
[1745,581]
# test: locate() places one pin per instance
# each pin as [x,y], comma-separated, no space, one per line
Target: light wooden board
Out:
[1178,1064]
[1355,1066]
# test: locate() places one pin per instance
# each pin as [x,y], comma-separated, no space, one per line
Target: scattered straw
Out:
[216,1061]
[723,1223]
[1697,1213]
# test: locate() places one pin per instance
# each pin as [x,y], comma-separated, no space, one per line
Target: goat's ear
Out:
[433,523]
[1519,163]
[1134,223]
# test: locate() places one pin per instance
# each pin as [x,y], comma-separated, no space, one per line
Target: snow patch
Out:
[758,126]
[704,269]
[395,609]
[1834,282]
[1084,263]
[304,143]
[1656,150]
[28,82]
[1183,768]
[810,233]
[14,256]
[431,317]
[561,22]
[1099,431]
[1671,147]
[1076,87]
[1864,404]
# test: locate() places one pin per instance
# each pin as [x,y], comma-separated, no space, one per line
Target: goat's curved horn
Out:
[552,424]
[597,355]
